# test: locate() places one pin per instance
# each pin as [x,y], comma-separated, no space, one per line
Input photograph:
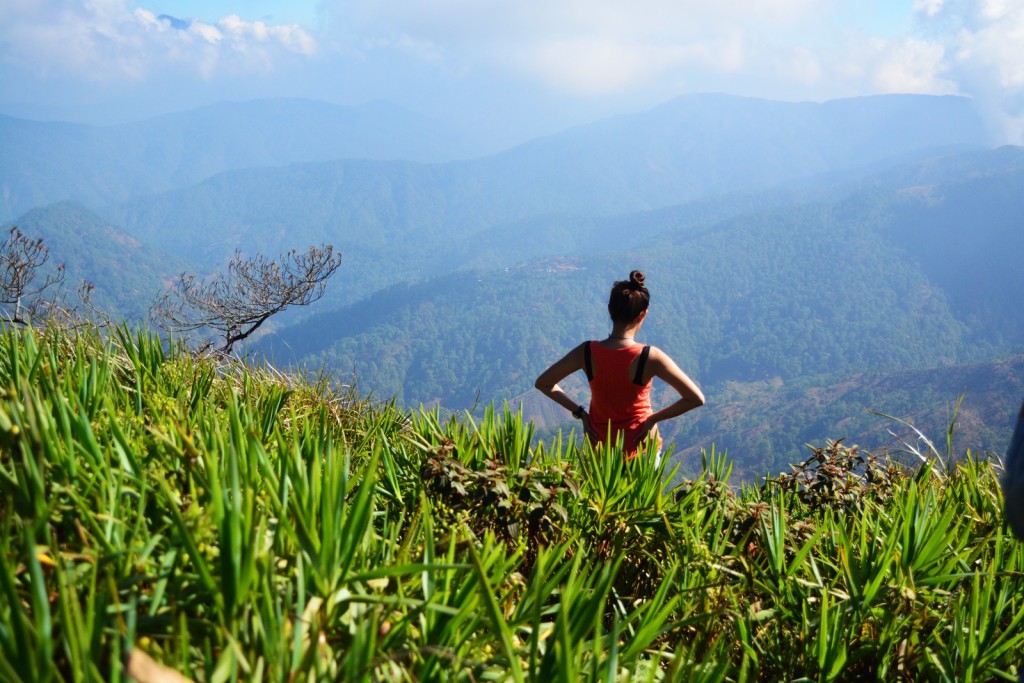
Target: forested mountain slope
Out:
[968,236]
[744,303]
[765,425]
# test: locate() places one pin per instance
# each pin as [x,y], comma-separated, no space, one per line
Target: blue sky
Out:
[512,68]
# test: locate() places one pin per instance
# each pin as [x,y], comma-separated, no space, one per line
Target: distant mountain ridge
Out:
[691,149]
[45,162]
[706,145]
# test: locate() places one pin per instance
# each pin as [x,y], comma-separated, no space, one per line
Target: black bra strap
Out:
[638,377]
[588,365]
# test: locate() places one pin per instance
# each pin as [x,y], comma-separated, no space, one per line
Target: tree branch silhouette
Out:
[255,288]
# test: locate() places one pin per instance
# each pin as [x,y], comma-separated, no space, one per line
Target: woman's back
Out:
[615,394]
[620,372]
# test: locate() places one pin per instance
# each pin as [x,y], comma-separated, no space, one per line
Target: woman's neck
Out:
[623,333]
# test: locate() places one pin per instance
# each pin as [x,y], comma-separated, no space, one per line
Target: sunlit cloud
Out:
[596,48]
[929,8]
[467,21]
[107,40]
[911,66]
[994,43]
[593,66]
[290,36]
[579,47]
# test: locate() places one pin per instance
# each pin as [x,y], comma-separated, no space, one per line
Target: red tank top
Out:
[617,403]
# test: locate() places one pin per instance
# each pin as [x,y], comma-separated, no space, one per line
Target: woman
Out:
[620,372]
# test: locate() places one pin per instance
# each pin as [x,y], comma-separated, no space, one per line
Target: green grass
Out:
[239,524]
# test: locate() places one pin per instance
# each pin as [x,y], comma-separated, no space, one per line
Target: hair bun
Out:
[636,280]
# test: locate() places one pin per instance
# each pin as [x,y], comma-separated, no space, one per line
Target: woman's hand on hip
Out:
[648,426]
[588,428]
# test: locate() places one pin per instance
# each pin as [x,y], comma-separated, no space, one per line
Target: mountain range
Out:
[396,212]
[48,161]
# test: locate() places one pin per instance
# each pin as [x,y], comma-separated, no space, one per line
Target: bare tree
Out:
[21,257]
[255,288]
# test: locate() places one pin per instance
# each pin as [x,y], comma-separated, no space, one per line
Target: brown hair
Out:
[629,298]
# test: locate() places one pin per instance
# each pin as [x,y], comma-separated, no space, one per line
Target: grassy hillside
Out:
[238,523]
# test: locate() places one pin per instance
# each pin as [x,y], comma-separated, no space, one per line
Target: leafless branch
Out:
[20,260]
[236,304]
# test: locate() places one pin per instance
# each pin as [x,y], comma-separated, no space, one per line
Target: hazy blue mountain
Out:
[945,168]
[43,162]
[414,218]
[962,218]
[704,145]
[126,274]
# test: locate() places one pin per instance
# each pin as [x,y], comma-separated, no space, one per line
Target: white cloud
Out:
[150,20]
[110,40]
[290,36]
[597,47]
[582,47]
[524,20]
[596,65]
[911,66]
[995,45]
[801,66]
[205,32]
[994,10]
[984,56]
[803,48]
[928,8]
[584,50]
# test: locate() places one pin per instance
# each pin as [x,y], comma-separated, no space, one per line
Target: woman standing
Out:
[620,371]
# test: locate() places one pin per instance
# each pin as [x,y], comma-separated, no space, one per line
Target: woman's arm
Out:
[690,396]
[548,381]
